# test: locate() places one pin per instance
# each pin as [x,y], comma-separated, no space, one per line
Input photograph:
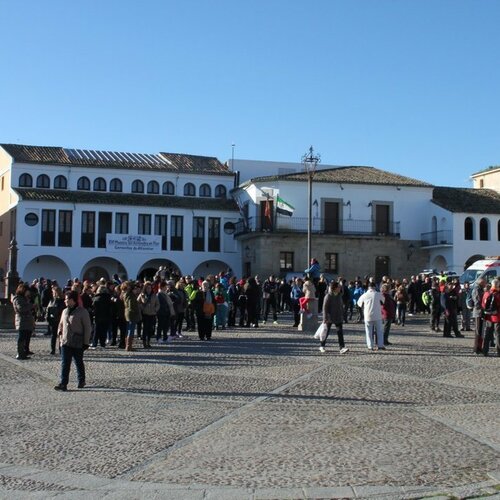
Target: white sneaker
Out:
[264,322]
[322,349]
[275,322]
[344,350]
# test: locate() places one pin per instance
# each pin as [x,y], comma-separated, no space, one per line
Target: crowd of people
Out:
[105,313]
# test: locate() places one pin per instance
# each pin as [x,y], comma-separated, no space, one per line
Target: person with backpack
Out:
[491,307]
[476,301]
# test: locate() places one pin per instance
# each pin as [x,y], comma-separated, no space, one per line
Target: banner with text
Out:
[133,243]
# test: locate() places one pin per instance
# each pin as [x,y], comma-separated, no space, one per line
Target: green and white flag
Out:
[284,208]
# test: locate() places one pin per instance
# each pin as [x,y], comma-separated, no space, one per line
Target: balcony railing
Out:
[436,238]
[345,227]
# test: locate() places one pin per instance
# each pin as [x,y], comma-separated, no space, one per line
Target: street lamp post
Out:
[310,162]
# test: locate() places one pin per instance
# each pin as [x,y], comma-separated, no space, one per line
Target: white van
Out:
[488,268]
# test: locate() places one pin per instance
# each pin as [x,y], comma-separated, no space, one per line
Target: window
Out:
[121,223]
[25,181]
[176,232]
[198,234]
[168,188]
[137,186]
[65,230]
[99,184]
[88,230]
[144,225]
[205,191]
[31,219]
[468,229]
[331,262]
[60,182]
[153,187]
[286,261]
[161,229]
[189,189]
[484,229]
[220,191]
[83,184]
[104,228]
[213,234]
[116,186]
[48,228]
[43,181]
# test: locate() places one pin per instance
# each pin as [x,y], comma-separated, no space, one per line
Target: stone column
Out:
[309,324]
[11,282]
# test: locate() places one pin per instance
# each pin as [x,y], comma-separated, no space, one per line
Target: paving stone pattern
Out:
[254,414]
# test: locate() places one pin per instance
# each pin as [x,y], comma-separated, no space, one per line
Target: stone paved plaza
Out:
[254,414]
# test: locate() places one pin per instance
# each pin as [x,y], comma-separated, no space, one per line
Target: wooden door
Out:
[332,212]
[382,223]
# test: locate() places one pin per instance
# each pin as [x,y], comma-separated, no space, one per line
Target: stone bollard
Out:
[309,324]
[6,315]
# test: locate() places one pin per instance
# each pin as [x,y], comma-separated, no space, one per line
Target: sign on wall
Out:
[133,243]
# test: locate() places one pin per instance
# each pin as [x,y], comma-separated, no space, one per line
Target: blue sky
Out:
[408,86]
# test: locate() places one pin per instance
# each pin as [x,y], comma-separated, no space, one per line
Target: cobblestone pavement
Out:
[254,414]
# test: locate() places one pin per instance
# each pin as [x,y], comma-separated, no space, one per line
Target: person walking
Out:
[75,331]
[333,314]
[24,320]
[371,303]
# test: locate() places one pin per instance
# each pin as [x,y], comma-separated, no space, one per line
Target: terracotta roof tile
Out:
[124,199]
[467,200]
[348,175]
[164,162]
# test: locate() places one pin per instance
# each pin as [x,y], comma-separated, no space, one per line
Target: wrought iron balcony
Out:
[345,227]
[437,238]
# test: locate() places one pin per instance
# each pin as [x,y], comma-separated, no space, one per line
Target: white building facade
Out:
[365,221]
[92,214]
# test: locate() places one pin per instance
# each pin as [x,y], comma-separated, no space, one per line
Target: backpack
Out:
[469,301]
[490,306]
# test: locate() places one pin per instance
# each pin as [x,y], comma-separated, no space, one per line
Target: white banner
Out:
[133,243]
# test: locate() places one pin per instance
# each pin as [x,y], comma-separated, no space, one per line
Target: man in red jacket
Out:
[492,317]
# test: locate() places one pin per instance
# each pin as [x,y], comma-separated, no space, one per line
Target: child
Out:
[309,295]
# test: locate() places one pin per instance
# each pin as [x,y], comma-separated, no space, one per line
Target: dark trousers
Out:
[435,317]
[53,336]
[67,354]
[268,304]
[387,329]
[178,321]
[23,337]
[162,327]
[231,316]
[101,333]
[204,326]
[243,311]
[190,321]
[296,312]
[119,324]
[340,334]
[148,328]
[450,323]
[490,330]
[252,314]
